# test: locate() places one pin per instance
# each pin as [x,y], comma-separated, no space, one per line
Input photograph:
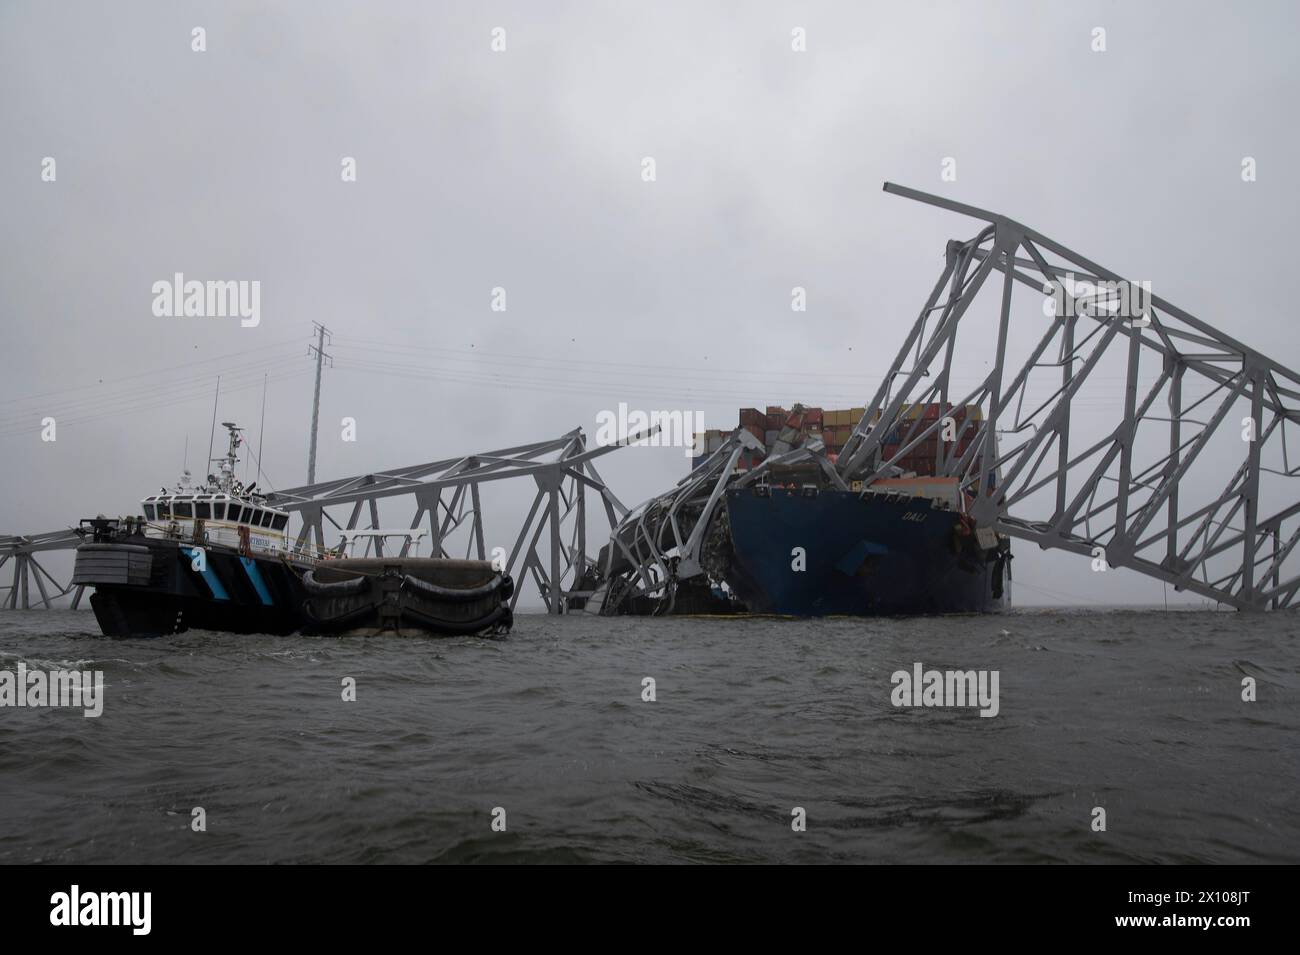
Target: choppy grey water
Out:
[1137,712]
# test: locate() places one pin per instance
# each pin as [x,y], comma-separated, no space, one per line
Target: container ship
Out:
[766,523]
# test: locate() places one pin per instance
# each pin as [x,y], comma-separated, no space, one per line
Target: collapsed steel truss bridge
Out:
[444,493]
[1180,472]
[447,494]
[1187,476]
[1170,482]
[22,551]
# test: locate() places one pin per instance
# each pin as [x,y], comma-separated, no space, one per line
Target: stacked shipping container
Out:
[835,426]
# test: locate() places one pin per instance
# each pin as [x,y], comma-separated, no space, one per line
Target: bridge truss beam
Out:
[446,494]
[21,550]
[661,542]
[1185,503]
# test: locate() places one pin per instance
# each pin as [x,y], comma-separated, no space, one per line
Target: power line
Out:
[152,373]
[160,386]
[164,401]
[143,397]
[623,385]
[488,356]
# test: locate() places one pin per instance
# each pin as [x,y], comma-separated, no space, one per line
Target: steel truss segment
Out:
[659,543]
[447,494]
[1172,515]
[21,550]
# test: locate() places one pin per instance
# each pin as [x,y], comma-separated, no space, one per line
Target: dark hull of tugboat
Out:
[149,587]
[862,556]
[370,596]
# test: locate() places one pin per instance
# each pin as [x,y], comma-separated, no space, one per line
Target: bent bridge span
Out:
[1141,436]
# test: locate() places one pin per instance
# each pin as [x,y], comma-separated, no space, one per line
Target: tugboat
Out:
[210,557]
[217,557]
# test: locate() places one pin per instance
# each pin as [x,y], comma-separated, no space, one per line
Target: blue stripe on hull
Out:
[255,578]
[862,556]
[209,577]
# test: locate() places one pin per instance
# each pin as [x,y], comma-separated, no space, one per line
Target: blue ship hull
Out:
[835,552]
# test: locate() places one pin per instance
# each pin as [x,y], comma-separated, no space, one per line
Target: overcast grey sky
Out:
[523,169]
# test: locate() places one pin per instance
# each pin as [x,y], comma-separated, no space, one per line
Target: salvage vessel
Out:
[216,556]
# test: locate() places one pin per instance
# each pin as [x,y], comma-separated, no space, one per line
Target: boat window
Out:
[237,513]
[203,511]
[267,518]
[219,511]
[148,512]
[182,509]
[280,521]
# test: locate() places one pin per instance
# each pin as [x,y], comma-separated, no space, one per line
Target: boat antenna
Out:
[213,433]
[185,459]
